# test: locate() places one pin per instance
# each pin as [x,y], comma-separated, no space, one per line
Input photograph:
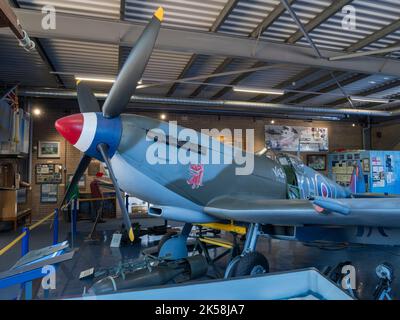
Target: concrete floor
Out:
[282,256]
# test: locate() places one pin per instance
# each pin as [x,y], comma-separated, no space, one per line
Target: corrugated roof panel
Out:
[163,65]
[247,15]
[188,14]
[265,79]
[235,65]
[20,66]
[371,16]
[355,88]
[284,26]
[322,85]
[95,8]
[392,39]
[384,94]
[82,58]
[203,65]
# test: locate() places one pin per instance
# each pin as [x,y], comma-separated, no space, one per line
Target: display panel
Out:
[292,139]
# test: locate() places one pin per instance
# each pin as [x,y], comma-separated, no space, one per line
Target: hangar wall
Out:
[386,137]
[341,135]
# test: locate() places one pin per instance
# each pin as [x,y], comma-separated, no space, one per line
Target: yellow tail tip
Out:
[131,235]
[159,14]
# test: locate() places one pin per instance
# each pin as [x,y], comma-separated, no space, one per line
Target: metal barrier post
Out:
[25,242]
[55,227]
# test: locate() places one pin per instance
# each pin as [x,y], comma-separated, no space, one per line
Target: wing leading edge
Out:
[375,212]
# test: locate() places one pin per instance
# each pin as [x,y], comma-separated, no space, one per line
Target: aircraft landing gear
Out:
[250,262]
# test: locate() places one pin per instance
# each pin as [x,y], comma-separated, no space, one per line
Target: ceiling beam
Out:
[265,24]
[9,19]
[320,18]
[225,12]
[38,46]
[121,17]
[314,23]
[375,36]
[269,20]
[73,27]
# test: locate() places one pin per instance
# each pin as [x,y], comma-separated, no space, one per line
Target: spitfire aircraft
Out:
[282,198]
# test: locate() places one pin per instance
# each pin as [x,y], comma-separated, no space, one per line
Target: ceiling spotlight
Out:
[366,99]
[163,116]
[37,112]
[272,121]
[258,90]
[353,125]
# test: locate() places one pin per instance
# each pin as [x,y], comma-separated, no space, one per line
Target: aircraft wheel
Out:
[251,264]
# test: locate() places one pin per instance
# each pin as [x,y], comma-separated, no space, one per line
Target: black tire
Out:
[250,264]
[164,239]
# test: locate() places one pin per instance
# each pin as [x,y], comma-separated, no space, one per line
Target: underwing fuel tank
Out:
[172,271]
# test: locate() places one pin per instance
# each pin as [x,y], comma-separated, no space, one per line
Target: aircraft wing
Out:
[376,212]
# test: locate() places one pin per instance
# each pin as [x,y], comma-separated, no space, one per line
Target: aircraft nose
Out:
[70,127]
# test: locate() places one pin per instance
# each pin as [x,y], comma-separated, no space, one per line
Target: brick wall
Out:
[341,135]
[386,137]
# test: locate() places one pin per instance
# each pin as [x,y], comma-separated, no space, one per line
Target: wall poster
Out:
[293,139]
[48,193]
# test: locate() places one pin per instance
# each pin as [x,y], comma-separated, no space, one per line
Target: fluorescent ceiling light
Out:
[104,80]
[366,99]
[79,78]
[261,91]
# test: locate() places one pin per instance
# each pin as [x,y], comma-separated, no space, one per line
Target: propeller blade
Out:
[132,71]
[86,99]
[103,149]
[80,170]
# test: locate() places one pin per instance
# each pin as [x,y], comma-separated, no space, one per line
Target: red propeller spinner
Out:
[70,127]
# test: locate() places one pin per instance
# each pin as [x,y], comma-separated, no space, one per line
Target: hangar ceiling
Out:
[265,22]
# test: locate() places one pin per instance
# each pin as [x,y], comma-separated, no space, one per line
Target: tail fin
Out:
[357,182]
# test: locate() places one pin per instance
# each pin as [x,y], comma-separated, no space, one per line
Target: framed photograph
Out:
[82,181]
[49,149]
[48,193]
[317,161]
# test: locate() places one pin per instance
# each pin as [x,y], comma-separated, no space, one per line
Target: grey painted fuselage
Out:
[166,186]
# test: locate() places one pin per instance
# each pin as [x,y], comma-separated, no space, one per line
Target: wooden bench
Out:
[10,210]
[20,215]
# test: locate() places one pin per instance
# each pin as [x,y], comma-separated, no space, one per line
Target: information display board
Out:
[293,139]
[381,169]
[48,173]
